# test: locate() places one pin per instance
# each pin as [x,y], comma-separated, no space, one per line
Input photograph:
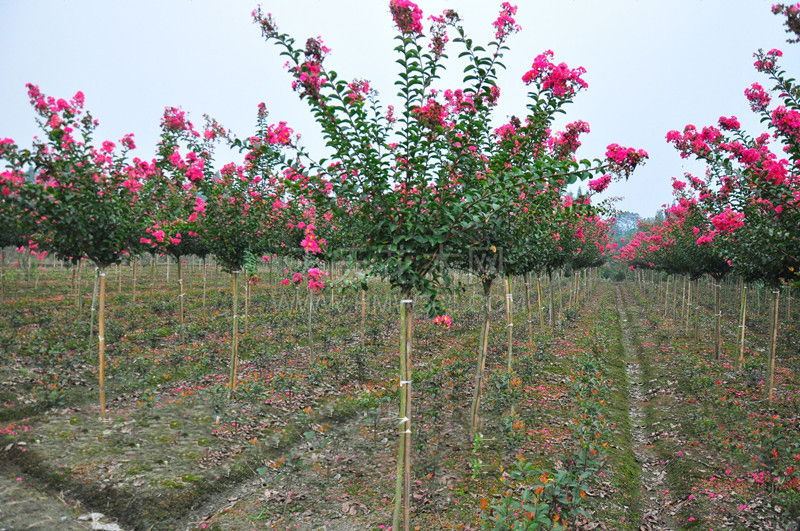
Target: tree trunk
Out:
[101,344]
[134,280]
[509,321]
[205,278]
[181,296]
[235,348]
[539,301]
[550,293]
[94,301]
[773,344]
[403,482]
[483,343]
[363,318]
[742,325]
[528,307]
[718,322]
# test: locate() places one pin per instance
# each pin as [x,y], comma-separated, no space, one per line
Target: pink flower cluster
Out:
[600,184]
[310,242]
[407,15]
[439,36]
[175,119]
[505,24]
[562,80]
[358,91]
[431,115]
[728,220]
[787,121]
[279,134]
[757,96]
[443,320]
[315,277]
[567,143]
[729,124]
[625,157]
[765,62]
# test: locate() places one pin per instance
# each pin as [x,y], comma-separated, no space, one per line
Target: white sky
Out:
[652,65]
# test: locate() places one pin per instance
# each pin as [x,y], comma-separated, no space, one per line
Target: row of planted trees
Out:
[413,191]
[741,219]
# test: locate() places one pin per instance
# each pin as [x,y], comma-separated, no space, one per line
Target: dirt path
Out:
[22,506]
[653,476]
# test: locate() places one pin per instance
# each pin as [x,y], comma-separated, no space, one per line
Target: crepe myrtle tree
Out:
[752,186]
[415,175]
[171,204]
[83,197]
[11,217]
[246,207]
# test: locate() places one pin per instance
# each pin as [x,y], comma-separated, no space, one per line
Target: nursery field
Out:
[613,417]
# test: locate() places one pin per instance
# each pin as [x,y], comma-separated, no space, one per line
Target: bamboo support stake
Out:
[310,322]
[152,276]
[205,278]
[509,322]
[773,344]
[363,317]
[742,325]
[181,296]
[134,280]
[718,321]
[539,301]
[101,344]
[94,302]
[235,347]
[482,348]
[528,307]
[403,481]
[2,276]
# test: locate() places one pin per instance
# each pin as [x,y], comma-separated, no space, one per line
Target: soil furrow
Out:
[653,473]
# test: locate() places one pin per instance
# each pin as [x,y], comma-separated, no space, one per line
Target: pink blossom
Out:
[562,80]
[505,23]
[407,15]
[600,184]
[757,96]
[443,320]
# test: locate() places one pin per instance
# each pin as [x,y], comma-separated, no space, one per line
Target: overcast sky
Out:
[651,66]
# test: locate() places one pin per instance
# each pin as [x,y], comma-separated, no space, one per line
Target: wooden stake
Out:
[773,343]
[403,481]
[235,350]
[742,325]
[101,343]
[509,321]
[482,348]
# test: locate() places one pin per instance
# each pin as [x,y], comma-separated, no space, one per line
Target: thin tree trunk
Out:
[403,482]
[94,301]
[2,276]
[773,344]
[205,277]
[363,317]
[134,280]
[310,322]
[539,301]
[235,348]
[688,304]
[742,325]
[528,307]
[101,344]
[482,348]
[718,321]
[181,297]
[550,293]
[152,277]
[509,321]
